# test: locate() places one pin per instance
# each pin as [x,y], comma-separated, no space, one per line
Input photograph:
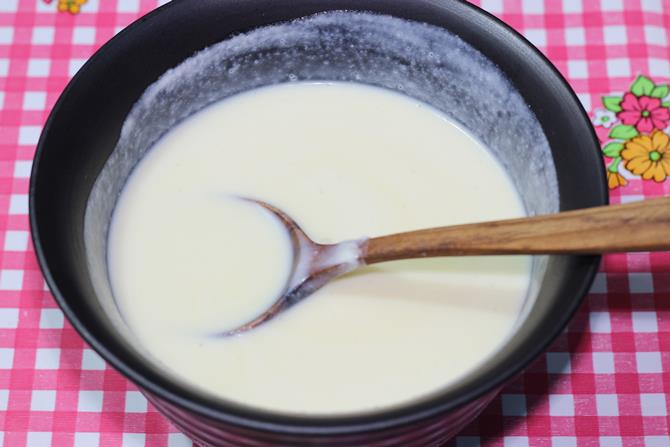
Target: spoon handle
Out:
[638,226]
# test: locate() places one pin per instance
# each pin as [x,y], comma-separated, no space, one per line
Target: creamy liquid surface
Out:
[188,260]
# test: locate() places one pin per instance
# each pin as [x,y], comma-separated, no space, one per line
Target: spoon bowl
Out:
[314,265]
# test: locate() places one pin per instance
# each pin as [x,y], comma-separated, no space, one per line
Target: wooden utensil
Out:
[638,226]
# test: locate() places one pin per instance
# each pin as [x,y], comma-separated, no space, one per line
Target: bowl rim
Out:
[436,403]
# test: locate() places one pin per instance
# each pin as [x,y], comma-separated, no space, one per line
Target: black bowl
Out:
[85,125]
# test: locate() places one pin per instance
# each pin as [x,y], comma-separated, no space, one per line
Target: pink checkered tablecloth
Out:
[605,382]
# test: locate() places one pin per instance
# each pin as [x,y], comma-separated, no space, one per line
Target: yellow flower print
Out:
[614,180]
[648,156]
[71,6]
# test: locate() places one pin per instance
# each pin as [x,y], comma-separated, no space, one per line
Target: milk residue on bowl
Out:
[346,161]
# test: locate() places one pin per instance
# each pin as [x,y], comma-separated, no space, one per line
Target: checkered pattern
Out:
[605,382]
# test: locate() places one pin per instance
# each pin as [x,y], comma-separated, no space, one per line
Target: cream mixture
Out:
[188,259]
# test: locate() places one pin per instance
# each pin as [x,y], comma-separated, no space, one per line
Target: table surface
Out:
[605,381]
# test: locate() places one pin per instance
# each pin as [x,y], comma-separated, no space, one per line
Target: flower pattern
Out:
[634,130]
[71,6]
[614,180]
[645,113]
[604,118]
[648,156]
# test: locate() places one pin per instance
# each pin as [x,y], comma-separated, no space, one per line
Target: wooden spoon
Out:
[638,226]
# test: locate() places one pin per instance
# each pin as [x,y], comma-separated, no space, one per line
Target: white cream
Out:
[345,161]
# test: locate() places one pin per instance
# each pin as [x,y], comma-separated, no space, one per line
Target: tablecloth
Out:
[605,381]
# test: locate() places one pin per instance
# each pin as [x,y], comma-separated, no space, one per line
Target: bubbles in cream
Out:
[346,161]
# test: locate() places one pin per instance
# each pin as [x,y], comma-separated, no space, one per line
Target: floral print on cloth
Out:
[634,128]
[71,6]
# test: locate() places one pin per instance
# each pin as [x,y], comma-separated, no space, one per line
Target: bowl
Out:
[446,53]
